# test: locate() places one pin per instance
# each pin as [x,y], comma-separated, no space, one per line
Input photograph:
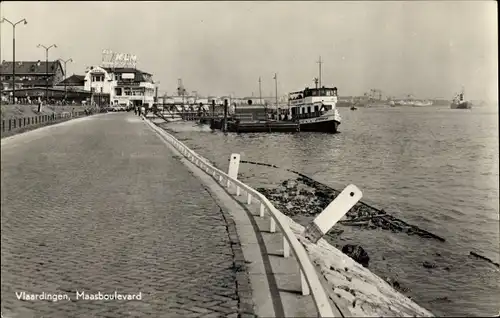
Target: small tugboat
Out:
[315,109]
[459,102]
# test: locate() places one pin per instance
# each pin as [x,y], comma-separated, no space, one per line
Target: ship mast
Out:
[320,62]
[260,91]
[276,86]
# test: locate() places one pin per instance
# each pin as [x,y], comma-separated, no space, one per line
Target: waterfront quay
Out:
[110,216]
[99,205]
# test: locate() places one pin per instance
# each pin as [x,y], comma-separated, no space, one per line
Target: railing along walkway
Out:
[16,123]
[310,282]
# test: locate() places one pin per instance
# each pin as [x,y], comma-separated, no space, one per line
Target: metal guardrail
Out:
[309,280]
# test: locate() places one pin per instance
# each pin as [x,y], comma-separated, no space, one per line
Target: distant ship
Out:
[378,103]
[459,102]
[404,103]
[422,103]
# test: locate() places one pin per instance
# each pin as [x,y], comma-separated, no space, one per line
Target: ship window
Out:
[308,109]
[316,108]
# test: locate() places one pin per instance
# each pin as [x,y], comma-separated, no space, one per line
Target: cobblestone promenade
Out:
[101,205]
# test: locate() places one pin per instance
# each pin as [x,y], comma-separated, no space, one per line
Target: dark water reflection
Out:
[433,167]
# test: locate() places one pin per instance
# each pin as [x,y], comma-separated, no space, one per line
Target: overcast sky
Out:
[429,49]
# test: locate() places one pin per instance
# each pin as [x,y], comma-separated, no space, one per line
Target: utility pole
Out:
[65,75]
[320,62]
[91,89]
[156,93]
[260,91]
[276,88]
[14,54]
[47,69]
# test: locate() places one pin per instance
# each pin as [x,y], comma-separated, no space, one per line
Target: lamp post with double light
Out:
[65,75]
[47,69]
[14,53]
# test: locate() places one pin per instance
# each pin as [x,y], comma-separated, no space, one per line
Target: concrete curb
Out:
[243,287]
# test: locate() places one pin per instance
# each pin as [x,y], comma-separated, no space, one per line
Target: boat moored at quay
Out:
[315,109]
[309,110]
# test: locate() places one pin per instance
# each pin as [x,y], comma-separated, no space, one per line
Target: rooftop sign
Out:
[113,59]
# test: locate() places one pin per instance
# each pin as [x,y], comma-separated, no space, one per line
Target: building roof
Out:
[125,70]
[75,80]
[30,67]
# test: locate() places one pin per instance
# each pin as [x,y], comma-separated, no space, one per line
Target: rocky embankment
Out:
[304,196]
[355,290]
[309,197]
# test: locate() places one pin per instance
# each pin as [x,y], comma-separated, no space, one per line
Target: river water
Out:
[433,167]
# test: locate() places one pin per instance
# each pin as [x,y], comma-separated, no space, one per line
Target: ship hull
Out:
[422,104]
[325,126]
[464,105]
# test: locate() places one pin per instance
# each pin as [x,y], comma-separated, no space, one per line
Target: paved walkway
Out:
[101,205]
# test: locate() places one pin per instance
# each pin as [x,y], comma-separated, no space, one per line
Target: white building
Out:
[125,86]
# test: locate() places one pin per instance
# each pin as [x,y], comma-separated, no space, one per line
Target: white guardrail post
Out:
[333,213]
[234,166]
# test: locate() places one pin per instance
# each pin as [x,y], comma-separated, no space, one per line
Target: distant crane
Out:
[375,94]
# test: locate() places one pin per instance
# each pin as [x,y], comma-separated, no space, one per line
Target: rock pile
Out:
[305,196]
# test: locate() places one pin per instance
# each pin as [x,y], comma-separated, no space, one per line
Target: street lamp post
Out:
[47,69]
[65,75]
[14,54]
